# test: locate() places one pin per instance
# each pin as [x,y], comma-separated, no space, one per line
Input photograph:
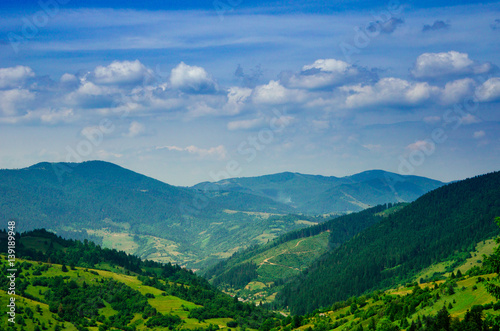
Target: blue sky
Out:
[193,91]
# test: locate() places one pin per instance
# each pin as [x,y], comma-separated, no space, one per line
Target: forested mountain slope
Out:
[443,222]
[125,210]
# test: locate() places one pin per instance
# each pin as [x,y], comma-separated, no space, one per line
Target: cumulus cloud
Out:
[15,77]
[489,90]
[434,65]
[192,79]
[274,93]
[218,152]
[389,91]
[457,90]
[69,80]
[237,98]
[324,73]
[437,25]
[90,95]
[14,101]
[122,73]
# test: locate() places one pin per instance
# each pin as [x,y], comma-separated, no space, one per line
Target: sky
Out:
[192,91]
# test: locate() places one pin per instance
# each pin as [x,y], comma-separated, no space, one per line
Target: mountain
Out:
[322,195]
[259,272]
[125,210]
[73,285]
[465,298]
[448,221]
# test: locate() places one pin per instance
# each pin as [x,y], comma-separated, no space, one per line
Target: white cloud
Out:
[15,77]
[389,91]
[53,116]
[457,90]
[479,134]
[328,65]
[135,129]
[42,115]
[246,124]
[324,73]
[192,79]
[274,93]
[218,152]
[68,79]
[489,90]
[90,95]
[433,65]
[14,101]
[122,73]
[236,100]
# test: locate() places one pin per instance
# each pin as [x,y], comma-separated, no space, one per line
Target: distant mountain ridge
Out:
[315,194]
[125,210]
[122,209]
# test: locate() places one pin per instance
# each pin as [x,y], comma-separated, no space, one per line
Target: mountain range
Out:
[314,194]
[194,226]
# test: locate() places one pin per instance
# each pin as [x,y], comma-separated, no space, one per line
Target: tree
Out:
[443,319]
[493,262]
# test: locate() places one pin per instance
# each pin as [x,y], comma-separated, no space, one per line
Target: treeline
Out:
[238,276]
[447,220]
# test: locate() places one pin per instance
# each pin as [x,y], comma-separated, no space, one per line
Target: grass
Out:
[162,302]
[483,248]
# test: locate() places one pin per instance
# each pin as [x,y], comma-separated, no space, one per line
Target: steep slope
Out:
[123,209]
[320,194]
[443,222]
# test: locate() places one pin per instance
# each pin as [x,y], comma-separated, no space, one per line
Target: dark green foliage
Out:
[449,219]
[166,321]
[238,276]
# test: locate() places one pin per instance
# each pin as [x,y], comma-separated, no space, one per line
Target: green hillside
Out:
[128,211]
[259,272]
[323,195]
[440,224]
[467,299]
[65,284]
